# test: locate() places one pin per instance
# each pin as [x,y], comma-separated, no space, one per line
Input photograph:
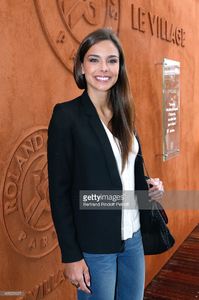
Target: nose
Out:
[104,66]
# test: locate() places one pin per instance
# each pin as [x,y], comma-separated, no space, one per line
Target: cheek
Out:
[116,70]
[86,69]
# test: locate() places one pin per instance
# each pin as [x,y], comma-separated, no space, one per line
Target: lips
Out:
[102,78]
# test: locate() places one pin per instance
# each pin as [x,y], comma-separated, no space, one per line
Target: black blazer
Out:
[80,157]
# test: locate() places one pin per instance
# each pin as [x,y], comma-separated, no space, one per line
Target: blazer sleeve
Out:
[140,180]
[141,188]
[60,168]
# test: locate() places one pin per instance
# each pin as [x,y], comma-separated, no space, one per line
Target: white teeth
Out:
[102,78]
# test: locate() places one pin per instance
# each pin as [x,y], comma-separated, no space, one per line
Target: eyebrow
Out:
[109,56]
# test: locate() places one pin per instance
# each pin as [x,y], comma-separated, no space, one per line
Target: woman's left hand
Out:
[156,189]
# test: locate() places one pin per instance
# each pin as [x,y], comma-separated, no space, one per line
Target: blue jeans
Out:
[117,276]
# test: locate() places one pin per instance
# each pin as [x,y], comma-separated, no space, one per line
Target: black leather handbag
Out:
[156,235]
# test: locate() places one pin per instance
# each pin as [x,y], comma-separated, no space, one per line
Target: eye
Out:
[93,60]
[113,61]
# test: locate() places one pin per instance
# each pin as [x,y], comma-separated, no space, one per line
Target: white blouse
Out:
[130,216]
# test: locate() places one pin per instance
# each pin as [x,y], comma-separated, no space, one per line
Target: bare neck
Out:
[104,110]
[100,100]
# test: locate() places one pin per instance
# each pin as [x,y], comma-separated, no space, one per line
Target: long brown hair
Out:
[120,96]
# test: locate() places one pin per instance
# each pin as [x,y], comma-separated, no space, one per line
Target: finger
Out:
[157,187]
[154,189]
[154,192]
[160,184]
[162,187]
[83,287]
[87,278]
[153,180]
[156,196]
[150,183]
[156,179]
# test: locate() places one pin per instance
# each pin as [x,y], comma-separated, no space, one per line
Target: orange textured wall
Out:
[38,43]
[145,51]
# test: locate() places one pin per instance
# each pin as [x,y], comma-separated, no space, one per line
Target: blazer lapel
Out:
[98,128]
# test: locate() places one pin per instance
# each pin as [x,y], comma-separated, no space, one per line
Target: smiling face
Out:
[101,67]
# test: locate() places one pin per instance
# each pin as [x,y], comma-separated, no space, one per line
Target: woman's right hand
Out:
[156,189]
[78,274]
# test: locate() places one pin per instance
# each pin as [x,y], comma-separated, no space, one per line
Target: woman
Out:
[92,147]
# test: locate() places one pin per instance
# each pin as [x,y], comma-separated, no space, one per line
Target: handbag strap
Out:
[145,168]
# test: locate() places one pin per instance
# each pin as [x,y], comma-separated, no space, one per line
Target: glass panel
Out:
[171,108]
